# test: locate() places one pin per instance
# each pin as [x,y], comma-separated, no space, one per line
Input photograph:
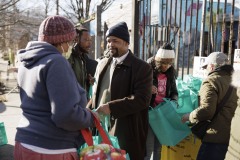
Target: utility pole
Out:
[98,32]
[238,45]
[135,28]
[230,57]
[57,7]
[202,37]
[224,30]
[211,44]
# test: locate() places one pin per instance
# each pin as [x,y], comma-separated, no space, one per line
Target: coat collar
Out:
[128,60]
[225,68]
[107,61]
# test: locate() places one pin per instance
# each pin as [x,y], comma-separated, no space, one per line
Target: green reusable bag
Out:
[105,122]
[187,94]
[98,140]
[113,139]
[100,146]
[3,135]
[185,104]
[166,123]
[193,83]
[90,92]
[194,98]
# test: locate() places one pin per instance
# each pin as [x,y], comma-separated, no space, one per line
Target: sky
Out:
[30,4]
[34,3]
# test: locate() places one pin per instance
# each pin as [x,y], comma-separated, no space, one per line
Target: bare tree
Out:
[8,17]
[16,23]
[8,12]
[5,5]
[48,6]
[78,11]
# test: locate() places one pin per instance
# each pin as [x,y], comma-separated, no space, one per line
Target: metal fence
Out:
[193,27]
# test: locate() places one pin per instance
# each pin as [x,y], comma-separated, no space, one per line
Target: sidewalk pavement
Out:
[9,111]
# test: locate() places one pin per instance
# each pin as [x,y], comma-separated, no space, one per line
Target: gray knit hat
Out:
[218,58]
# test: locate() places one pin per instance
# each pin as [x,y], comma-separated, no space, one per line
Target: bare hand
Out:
[154,90]
[91,79]
[103,109]
[185,118]
[96,115]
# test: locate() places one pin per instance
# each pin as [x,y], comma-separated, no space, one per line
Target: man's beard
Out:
[77,50]
[83,50]
[114,54]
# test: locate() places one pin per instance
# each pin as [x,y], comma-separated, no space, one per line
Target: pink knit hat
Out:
[56,29]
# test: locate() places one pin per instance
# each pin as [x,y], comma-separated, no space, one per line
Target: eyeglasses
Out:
[164,62]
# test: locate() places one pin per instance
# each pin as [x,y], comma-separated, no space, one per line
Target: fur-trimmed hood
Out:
[236,78]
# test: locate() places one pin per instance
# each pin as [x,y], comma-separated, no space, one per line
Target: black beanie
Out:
[119,30]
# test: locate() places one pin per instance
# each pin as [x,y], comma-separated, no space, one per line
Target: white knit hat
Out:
[165,53]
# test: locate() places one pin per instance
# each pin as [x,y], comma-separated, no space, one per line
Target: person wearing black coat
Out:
[164,86]
[122,91]
[83,66]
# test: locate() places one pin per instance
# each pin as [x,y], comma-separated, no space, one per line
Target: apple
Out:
[94,154]
[117,156]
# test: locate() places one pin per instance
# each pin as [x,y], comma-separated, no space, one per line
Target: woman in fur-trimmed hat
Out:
[164,86]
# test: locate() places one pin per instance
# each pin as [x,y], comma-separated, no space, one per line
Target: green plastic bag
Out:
[166,123]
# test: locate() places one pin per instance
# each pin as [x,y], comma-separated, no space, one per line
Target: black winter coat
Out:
[130,97]
[171,89]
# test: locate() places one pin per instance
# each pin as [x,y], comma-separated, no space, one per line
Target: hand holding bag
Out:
[105,150]
[166,123]
[200,128]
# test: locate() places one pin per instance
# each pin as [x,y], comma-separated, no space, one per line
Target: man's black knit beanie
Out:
[119,30]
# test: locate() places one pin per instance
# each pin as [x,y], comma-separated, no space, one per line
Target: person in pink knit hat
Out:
[52,102]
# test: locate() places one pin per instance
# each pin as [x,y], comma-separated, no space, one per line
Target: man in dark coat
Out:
[123,91]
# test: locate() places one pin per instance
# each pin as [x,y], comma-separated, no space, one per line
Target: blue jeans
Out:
[212,151]
[153,146]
